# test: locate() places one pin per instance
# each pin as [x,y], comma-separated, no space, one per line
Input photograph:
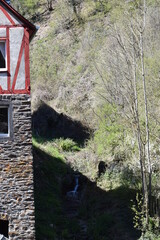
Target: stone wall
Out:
[16,166]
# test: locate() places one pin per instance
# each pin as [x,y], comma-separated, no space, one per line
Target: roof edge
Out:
[27,23]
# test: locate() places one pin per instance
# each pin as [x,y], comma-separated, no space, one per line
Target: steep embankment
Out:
[92,213]
[67,49]
[93,65]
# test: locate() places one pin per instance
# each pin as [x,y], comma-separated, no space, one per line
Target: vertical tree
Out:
[145,98]
[127,84]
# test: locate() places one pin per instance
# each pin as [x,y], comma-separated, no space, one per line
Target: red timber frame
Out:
[29,30]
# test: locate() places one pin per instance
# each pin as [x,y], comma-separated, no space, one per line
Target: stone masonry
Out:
[16,166]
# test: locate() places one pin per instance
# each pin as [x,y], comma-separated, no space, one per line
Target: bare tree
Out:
[145,98]
[127,87]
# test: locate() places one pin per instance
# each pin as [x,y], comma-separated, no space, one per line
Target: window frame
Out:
[9,107]
[5,41]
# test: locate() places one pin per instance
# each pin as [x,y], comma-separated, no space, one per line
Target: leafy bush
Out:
[129,178]
[103,6]
[27,7]
[149,231]
[68,145]
[150,236]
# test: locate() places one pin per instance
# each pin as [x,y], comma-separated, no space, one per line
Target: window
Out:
[4,227]
[6,124]
[4,121]
[3,60]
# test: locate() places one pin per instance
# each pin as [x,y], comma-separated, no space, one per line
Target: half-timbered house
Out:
[16,162]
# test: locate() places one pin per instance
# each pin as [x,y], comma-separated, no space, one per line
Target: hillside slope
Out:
[95,95]
[64,76]
[93,214]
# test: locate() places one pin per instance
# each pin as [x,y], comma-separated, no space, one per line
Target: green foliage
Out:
[139,218]
[100,226]
[117,177]
[109,180]
[68,145]
[131,179]
[110,133]
[149,231]
[152,232]
[150,236]
[27,7]
[103,6]
[48,146]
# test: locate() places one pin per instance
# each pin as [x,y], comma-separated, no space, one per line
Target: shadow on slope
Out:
[95,215]
[49,124]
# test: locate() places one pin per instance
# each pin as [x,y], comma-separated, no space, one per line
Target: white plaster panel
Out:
[2,32]
[14,18]
[16,36]
[3,19]
[3,81]
[20,83]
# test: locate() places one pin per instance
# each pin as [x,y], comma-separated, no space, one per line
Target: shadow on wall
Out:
[48,123]
[94,214]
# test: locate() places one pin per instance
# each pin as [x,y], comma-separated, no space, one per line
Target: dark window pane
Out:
[2,55]
[3,120]
[4,228]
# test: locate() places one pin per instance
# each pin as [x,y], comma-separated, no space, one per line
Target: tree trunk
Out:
[146,103]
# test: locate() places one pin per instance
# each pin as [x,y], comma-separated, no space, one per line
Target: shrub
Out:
[68,145]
